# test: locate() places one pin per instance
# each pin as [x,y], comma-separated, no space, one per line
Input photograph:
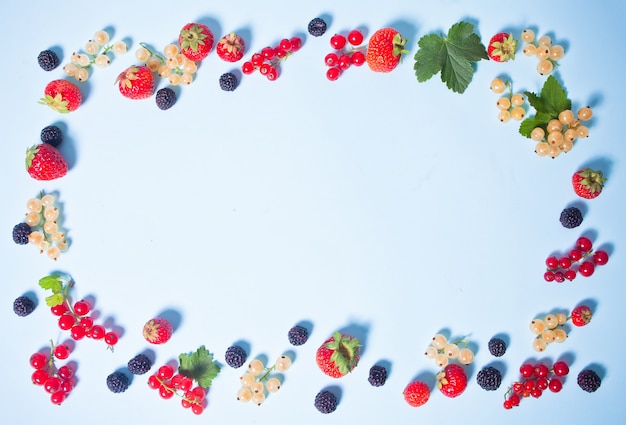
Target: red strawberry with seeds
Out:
[338,355]
[230,47]
[157,331]
[581,315]
[452,380]
[502,47]
[416,393]
[136,82]
[45,162]
[62,95]
[385,49]
[196,41]
[588,183]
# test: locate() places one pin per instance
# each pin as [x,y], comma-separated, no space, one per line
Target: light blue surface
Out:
[373,203]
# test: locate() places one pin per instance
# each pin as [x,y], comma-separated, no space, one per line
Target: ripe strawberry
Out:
[62,96]
[502,47]
[338,355]
[230,47]
[157,331]
[588,183]
[136,82]
[45,162]
[385,49]
[416,393]
[452,380]
[196,41]
[581,315]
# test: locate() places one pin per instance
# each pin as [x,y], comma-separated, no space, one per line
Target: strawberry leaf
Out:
[199,366]
[454,56]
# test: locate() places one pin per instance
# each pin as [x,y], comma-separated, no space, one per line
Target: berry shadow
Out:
[336,390]
[173,316]
[426,377]
[498,364]
[306,324]
[33,296]
[109,323]
[126,372]
[591,303]
[68,146]
[608,247]
[597,368]
[603,164]
[243,344]
[386,363]
[150,354]
[213,24]
[504,337]
[582,206]
[358,330]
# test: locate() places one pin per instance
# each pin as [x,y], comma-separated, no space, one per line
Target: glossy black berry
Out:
[589,380]
[139,364]
[489,378]
[325,401]
[497,347]
[48,60]
[228,81]
[317,27]
[21,232]
[23,306]
[571,217]
[117,382]
[235,356]
[378,376]
[165,98]
[298,335]
[52,135]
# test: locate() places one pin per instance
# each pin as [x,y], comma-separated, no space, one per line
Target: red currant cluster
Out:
[581,259]
[58,382]
[535,380]
[343,58]
[75,318]
[267,61]
[169,384]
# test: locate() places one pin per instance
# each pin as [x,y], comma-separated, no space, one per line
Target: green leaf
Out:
[554,96]
[199,366]
[535,101]
[54,299]
[454,56]
[52,283]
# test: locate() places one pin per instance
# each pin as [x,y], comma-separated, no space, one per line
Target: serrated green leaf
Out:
[199,366]
[427,58]
[535,101]
[554,96]
[52,283]
[54,299]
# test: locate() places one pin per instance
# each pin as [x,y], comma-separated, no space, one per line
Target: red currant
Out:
[338,41]
[199,393]
[57,397]
[165,372]
[565,263]
[600,257]
[186,384]
[570,274]
[67,386]
[65,372]
[541,370]
[61,351]
[548,276]
[285,44]
[154,382]
[81,308]
[97,332]
[197,409]
[296,43]
[257,59]
[575,254]
[355,37]
[110,338]
[508,405]
[39,376]
[331,59]
[59,309]
[555,385]
[586,268]
[333,73]
[272,74]
[66,321]
[344,62]
[552,263]
[358,58]
[52,384]
[514,399]
[185,403]
[584,244]
[77,332]
[166,392]
[536,393]
[518,387]
[559,277]
[542,383]
[264,68]
[560,368]
[38,360]
[247,68]
[527,370]
[268,53]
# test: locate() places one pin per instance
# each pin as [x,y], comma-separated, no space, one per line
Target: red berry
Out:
[331,59]
[111,338]
[38,360]
[600,257]
[77,332]
[338,41]
[264,68]
[559,277]
[285,44]
[518,387]
[527,370]
[355,37]
[358,58]
[257,59]
[59,309]
[52,384]
[507,404]
[529,384]
[536,393]
[57,397]
[280,53]
[154,382]
[586,268]
[39,376]
[272,74]
[247,68]
[333,73]
[570,274]
[542,383]
[296,43]
[65,372]
[584,244]
[541,370]
[565,263]
[81,308]
[61,352]
[66,321]
[344,62]
[548,276]
[97,332]
[268,53]
[165,372]
[575,254]
[514,399]
[67,386]
[560,368]
[552,263]
[166,392]
[555,385]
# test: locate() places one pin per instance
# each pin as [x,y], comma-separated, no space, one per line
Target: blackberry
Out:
[489,378]
[571,217]
[378,376]
[117,382]
[298,335]
[317,27]
[588,380]
[325,402]
[48,60]
[52,135]
[497,347]
[21,232]
[228,81]
[235,356]
[23,306]
[139,364]
[165,98]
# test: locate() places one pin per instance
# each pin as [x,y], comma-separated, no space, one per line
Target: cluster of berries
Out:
[547,53]
[535,380]
[96,52]
[489,378]
[173,65]
[169,383]
[510,105]
[41,226]
[442,351]
[451,382]
[56,381]
[550,329]
[259,381]
[561,132]
[582,259]
[342,58]
[268,60]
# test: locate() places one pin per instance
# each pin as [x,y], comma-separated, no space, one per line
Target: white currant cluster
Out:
[510,105]
[43,216]
[258,381]
[547,53]
[548,329]
[96,52]
[560,133]
[173,65]
[442,351]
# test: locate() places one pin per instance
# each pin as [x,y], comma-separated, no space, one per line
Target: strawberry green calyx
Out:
[505,49]
[128,76]
[592,179]
[346,351]
[192,37]
[57,103]
[399,44]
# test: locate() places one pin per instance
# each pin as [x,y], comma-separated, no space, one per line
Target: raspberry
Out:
[378,376]
[139,364]
[489,378]
[228,81]
[317,27]
[48,60]
[23,306]
[235,356]
[588,380]
[165,98]
[117,382]
[21,232]
[298,335]
[52,135]
[571,217]
[325,401]
[497,347]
